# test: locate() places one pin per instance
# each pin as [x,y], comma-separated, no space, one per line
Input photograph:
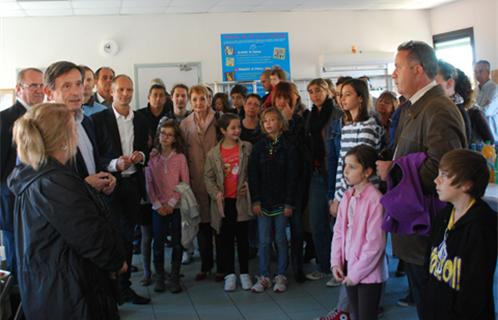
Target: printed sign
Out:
[246,55]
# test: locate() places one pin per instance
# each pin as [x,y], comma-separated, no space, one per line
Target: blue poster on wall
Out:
[246,55]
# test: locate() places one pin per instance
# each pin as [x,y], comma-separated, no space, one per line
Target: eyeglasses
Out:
[32,86]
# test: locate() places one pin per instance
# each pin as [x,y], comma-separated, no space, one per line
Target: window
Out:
[457,48]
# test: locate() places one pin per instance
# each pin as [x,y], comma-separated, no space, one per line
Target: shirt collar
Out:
[118,115]
[422,91]
[24,104]
[78,116]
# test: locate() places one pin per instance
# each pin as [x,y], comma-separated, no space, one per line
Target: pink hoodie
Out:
[365,254]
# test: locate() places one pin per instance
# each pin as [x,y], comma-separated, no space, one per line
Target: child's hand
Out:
[348,282]
[256,209]
[288,212]
[243,190]
[333,208]
[338,273]
[165,210]
[219,196]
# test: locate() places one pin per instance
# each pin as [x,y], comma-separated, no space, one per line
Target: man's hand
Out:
[98,181]
[124,268]
[123,163]
[383,168]
[136,157]
[111,184]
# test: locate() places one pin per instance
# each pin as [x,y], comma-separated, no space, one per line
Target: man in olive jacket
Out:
[432,124]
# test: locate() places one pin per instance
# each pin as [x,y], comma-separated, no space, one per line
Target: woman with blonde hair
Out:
[199,133]
[68,250]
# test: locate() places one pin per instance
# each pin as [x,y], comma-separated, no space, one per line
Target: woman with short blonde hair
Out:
[69,252]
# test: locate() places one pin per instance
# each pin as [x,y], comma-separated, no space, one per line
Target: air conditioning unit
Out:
[332,62]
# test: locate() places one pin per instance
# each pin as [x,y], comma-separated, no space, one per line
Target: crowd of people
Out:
[342,175]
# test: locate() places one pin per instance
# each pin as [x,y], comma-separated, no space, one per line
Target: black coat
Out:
[471,260]
[66,247]
[273,174]
[110,146]
[8,156]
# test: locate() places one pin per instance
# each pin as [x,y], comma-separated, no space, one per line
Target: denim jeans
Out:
[264,228]
[320,221]
[7,226]
[160,228]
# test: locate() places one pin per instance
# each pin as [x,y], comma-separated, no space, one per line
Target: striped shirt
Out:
[367,132]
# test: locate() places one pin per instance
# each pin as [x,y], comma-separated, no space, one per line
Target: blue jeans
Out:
[320,221]
[160,228]
[265,224]
[7,227]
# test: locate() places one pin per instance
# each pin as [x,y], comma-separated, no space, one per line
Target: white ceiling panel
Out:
[45,5]
[89,4]
[145,3]
[142,10]
[96,11]
[49,12]
[115,7]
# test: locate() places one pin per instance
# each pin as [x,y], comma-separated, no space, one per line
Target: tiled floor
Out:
[206,300]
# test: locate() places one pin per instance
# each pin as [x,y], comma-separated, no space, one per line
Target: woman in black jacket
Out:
[67,249]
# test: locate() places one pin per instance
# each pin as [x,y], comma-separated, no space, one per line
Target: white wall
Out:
[189,38]
[479,14]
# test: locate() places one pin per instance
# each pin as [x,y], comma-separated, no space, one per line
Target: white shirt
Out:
[24,104]
[100,98]
[126,136]
[419,94]
[85,145]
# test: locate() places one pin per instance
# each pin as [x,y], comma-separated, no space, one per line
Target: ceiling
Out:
[33,8]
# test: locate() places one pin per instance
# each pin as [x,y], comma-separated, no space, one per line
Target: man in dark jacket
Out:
[64,84]
[128,135]
[29,91]
[431,123]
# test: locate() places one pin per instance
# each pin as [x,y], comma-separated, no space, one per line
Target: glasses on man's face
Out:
[32,86]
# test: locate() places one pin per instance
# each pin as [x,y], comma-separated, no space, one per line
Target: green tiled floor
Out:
[206,300]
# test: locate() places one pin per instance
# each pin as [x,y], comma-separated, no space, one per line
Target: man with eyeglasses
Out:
[429,123]
[29,91]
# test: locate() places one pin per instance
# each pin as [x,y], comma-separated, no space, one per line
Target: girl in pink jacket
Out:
[358,257]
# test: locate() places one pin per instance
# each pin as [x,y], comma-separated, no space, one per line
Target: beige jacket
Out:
[214,179]
[197,147]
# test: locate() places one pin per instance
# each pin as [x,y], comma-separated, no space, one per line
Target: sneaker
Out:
[335,315]
[186,258]
[245,281]
[315,275]
[280,283]
[230,282]
[262,284]
[405,302]
[333,282]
